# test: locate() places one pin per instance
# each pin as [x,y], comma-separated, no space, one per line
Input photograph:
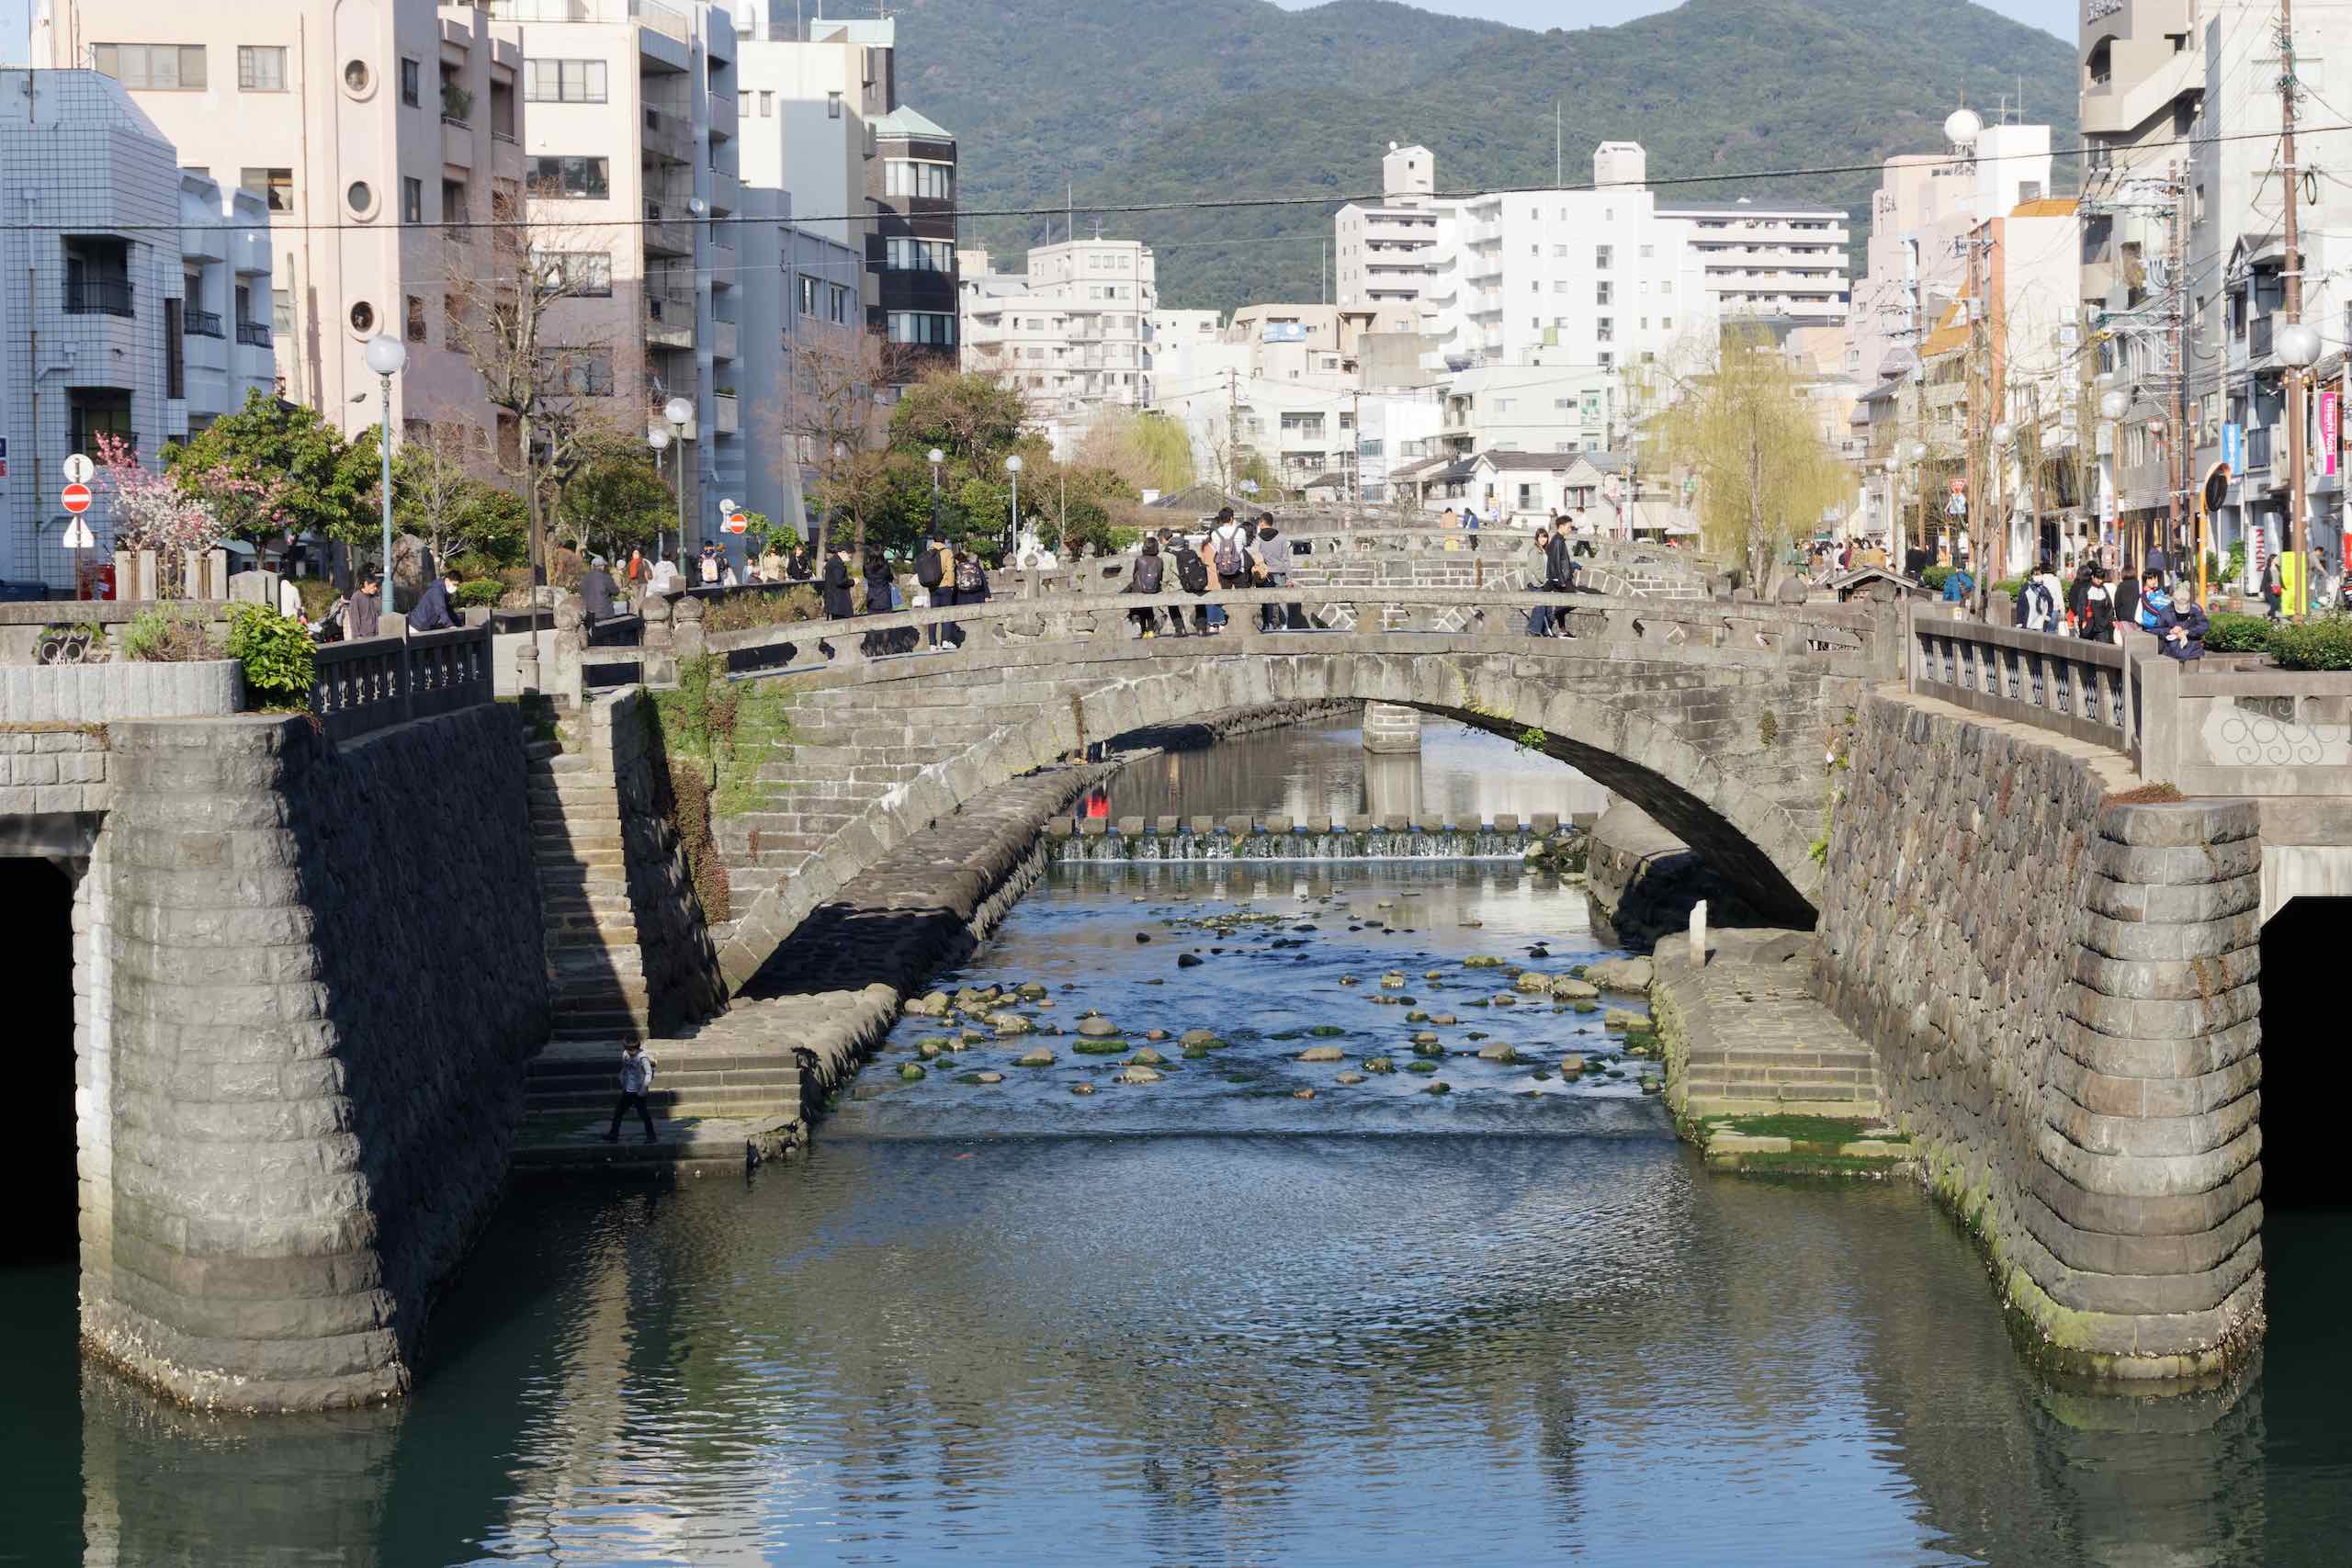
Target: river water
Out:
[1205,1321]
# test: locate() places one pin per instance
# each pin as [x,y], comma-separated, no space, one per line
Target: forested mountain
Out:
[1182,101]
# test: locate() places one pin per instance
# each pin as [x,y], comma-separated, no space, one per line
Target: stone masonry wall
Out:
[325,976]
[2062,989]
[682,977]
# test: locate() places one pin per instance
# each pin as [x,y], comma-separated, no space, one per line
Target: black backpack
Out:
[1148,574]
[927,568]
[1193,572]
[968,576]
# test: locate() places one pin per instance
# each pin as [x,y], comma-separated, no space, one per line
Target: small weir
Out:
[1131,840]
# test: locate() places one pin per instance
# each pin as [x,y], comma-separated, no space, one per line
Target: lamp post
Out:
[1993,528]
[386,356]
[2297,346]
[2112,406]
[1918,453]
[1012,466]
[659,439]
[679,413]
[937,457]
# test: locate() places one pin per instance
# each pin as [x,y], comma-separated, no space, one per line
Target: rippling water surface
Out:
[1205,1322]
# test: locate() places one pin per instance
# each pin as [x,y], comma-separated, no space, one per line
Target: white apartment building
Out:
[631,173]
[361,128]
[1182,329]
[116,325]
[1386,256]
[1778,260]
[1072,331]
[1538,408]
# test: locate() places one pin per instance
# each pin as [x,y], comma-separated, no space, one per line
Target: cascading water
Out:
[1298,844]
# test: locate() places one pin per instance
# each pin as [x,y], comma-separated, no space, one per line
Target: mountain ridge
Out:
[1143,109]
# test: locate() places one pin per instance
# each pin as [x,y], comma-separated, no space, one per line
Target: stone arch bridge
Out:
[1711,717]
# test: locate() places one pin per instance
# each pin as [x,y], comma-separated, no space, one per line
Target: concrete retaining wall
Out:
[311,978]
[2062,991]
[682,977]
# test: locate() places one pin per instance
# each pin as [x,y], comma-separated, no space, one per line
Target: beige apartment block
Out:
[1072,331]
[367,130]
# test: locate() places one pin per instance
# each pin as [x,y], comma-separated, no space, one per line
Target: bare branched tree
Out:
[834,423]
[508,285]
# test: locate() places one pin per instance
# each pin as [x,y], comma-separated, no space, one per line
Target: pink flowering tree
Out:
[151,513]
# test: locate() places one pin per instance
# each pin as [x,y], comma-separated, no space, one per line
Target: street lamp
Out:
[679,413]
[937,457]
[1012,466]
[2297,344]
[386,356]
[659,439]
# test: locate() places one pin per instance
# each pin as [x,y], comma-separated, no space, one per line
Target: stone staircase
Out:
[707,1097]
[1748,1036]
[595,967]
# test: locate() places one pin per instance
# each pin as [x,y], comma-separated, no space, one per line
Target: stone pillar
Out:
[1387,727]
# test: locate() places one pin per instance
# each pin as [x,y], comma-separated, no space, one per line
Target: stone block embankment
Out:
[314,976]
[2061,988]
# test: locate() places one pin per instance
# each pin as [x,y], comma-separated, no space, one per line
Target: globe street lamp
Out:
[679,413]
[2297,344]
[659,439]
[386,356]
[937,457]
[1012,466]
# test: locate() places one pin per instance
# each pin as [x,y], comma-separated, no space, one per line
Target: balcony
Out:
[2259,335]
[722,114]
[456,143]
[2258,443]
[669,133]
[725,341]
[254,334]
[726,192]
[667,232]
[98,296]
[724,418]
[669,318]
[200,324]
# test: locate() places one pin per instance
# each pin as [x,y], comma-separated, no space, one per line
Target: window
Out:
[411,199]
[281,309]
[1607,359]
[1600,294]
[840,312]
[933,181]
[260,68]
[921,255]
[415,319]
[276,187]
[808,295]
[931,328]
[832,105]
[1665,323]
[578,178]
[411,82]
[1603,257]
[564,81]
[363,317]
[577,372]
[160,67]
[1604,330]
[454,208]
[586,273]
[767,104]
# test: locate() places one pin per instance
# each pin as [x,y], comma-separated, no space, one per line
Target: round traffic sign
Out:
[76,497]
[737,522]
[78,469]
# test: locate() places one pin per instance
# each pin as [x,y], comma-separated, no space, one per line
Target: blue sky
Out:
[2052,15]
[16,30]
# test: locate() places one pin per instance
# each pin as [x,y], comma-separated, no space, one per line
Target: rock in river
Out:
[1147,1058]
[1040,1057]
[1501,1050]
[1192,1037]
[1349,1078]
[987,1078]
[1097,1027]
[1139,1074]
[1568,988]
[1188,960]
[1622,1019]
[1619,974]
[1322,1053]
[1571,1066]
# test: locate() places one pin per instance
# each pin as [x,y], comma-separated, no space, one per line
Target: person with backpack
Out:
[971,580]
[2125,595]
[1147,576]
[1228,547]
[935,575]
[1192,576]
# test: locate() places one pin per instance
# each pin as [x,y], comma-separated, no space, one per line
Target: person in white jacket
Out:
[637,1082]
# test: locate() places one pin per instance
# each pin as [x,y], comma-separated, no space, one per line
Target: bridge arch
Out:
[1677,733]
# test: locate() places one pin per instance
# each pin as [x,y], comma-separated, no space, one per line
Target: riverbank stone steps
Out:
[596,979]
[1745,1035]
[759,1074]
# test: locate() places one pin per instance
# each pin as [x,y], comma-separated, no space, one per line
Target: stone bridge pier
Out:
[1390,728]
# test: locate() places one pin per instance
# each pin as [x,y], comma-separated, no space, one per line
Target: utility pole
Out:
[1355,468]
[1232,428]
[2292,234]
[1980,305]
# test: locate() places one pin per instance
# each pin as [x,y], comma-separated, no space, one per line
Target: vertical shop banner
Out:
[2331,429]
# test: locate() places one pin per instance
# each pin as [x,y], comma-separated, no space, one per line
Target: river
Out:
[1207,1321]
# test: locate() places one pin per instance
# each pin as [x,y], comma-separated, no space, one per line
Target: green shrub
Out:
[729,728]
[165,637]
[277,653]
[483,592]
[768,607]
[2324,642]
[1933,576]
[2228,632]
[318,596]
[2011,586]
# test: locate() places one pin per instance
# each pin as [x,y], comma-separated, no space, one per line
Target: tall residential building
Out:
[1768,259]
[1072,329]
[117,323]
[631,173]
[362,128]
[1385,256]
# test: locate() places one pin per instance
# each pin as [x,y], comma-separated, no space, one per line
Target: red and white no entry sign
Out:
[76,499]
[737,522]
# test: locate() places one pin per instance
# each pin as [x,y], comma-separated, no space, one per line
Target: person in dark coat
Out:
[1559,566]
[881,595]
[435,611]
[1539,620]
[1149,575]
[596,591]
[840,605]
[364,614]
[797,568]
[2181,631]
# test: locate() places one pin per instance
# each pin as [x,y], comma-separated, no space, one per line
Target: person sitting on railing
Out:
[435,611]
[2180,630]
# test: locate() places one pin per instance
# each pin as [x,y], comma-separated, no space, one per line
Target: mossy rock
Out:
[1421,1066]
[1325,1032]
[1481,962]
[1441,1087]
[1100,1047]
[1195,1053]
[1430,1051]
[1285,1035]
[911,1074]
[1378,1065]
[1588,1007]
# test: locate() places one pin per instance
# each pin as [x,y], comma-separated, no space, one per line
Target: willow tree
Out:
[1736,422]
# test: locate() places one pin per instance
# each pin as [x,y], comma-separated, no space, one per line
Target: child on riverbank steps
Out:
[636,1081]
